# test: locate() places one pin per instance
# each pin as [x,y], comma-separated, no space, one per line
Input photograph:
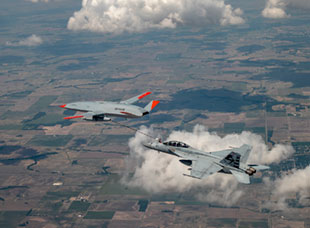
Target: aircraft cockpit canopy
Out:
[176,144]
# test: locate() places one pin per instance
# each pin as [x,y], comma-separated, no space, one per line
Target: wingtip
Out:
[62,106]
[144,95]
[72,117]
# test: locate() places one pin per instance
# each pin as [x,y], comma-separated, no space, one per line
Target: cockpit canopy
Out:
[176,144]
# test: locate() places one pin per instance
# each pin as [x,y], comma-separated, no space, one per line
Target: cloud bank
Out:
[291,186]
[117,16]
[277,8]
[30,41]
[159,172]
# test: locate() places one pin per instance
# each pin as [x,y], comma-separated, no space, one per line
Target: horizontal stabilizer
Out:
[260,167]
[135,99]
[150,106]
[241,176]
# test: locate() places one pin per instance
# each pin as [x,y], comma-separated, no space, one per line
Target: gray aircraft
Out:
[102,110]
[231,161]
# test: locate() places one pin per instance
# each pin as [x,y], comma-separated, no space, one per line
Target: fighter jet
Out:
[102,110]
[202,164]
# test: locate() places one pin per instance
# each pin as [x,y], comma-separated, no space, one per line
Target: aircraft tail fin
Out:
[244,151]
[236,155]
[150,106]
[135,99]
[232,159]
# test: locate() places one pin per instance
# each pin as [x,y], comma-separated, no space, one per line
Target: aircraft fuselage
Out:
[108,108]
[190,154]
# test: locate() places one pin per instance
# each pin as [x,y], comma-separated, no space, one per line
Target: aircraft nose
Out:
[71,106]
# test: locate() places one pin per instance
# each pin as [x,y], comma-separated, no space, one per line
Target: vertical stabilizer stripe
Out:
[154,104]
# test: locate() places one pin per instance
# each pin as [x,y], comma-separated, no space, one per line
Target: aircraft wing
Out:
[135,99]
[88,116]
[203,168]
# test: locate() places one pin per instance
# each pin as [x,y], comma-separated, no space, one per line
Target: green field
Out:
[234,127]
[101,140]
[79,206]
[42,103]
[53,207]
[143,205]
[237,86]
[11,218]
[50,196]
[254,224]
[114,187]
[99,215]
[222,222]
[50,140]
[50,119]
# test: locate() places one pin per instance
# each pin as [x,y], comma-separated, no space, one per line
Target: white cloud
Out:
[206,141]
[277,8]
[117,16]
[159,172]
[32,40]
[295,185]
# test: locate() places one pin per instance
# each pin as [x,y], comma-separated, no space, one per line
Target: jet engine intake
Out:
[186,162]
[101,118]
[250,171]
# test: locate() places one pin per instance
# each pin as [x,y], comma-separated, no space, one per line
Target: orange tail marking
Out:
[154,104]
[144,95]
[72,117]
[62,106]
